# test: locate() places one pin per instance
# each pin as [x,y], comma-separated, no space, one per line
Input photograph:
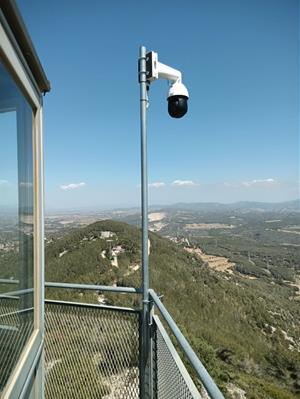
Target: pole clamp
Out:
[143,71]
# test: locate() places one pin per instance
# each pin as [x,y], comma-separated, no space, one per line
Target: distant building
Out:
[107,234]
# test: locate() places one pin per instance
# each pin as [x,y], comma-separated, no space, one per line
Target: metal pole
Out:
[144,198]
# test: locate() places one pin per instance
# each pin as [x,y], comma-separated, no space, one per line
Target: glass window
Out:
[16,224]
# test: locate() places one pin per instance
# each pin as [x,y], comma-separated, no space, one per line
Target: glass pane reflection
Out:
[16,224]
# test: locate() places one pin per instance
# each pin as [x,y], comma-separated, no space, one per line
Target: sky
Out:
[240,63]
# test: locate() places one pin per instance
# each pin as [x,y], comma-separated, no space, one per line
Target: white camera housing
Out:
[177,100]
[178,89]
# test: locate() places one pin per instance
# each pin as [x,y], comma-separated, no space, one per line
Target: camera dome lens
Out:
[177,106]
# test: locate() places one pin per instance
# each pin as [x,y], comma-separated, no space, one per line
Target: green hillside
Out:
[245,331]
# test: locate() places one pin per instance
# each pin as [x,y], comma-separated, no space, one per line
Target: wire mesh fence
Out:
[16,326]
[171,379]
[91,352]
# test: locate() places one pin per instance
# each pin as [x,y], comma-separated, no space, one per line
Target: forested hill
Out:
[245,331]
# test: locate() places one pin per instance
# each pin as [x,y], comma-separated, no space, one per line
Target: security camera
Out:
[177,100]
[178,94]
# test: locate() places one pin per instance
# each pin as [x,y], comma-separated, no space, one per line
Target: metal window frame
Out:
[30,359]
[27,52]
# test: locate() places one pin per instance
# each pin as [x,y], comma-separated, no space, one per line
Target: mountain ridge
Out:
[293,204]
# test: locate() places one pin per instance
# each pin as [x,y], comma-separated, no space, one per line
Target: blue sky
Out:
[239,60]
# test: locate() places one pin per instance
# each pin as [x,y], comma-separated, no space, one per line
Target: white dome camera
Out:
[177,100]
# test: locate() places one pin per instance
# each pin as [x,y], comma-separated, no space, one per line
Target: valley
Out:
[231,282]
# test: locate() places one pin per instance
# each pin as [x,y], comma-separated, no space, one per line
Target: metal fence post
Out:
[152,350]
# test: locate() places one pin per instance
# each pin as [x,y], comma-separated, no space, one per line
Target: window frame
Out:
[30,361]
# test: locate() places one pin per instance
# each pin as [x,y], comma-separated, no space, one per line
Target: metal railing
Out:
[91,351]
[8,281]
[107,288]
[171,379]
[201,372]
[94,351]
[16,326]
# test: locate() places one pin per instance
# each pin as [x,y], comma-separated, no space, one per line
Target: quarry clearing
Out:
[295,284]
[218,263]
[157,226]
[207,226]
[156,216]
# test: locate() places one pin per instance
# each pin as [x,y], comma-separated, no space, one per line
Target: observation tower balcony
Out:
[94,351]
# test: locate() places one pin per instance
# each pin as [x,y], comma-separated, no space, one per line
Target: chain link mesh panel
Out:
[16,326]
[91,352]
[170,377]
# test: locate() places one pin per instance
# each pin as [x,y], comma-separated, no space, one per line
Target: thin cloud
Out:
[252,183]
[259,183]
[183,183]
[3,182]
[72,186]
[157,184]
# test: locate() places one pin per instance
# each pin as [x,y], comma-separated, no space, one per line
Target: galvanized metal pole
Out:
[144,197]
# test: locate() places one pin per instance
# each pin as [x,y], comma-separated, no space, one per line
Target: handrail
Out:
[12,294]
[16,312]
[8,281]
[90,305]
[125,290]
[201,371]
